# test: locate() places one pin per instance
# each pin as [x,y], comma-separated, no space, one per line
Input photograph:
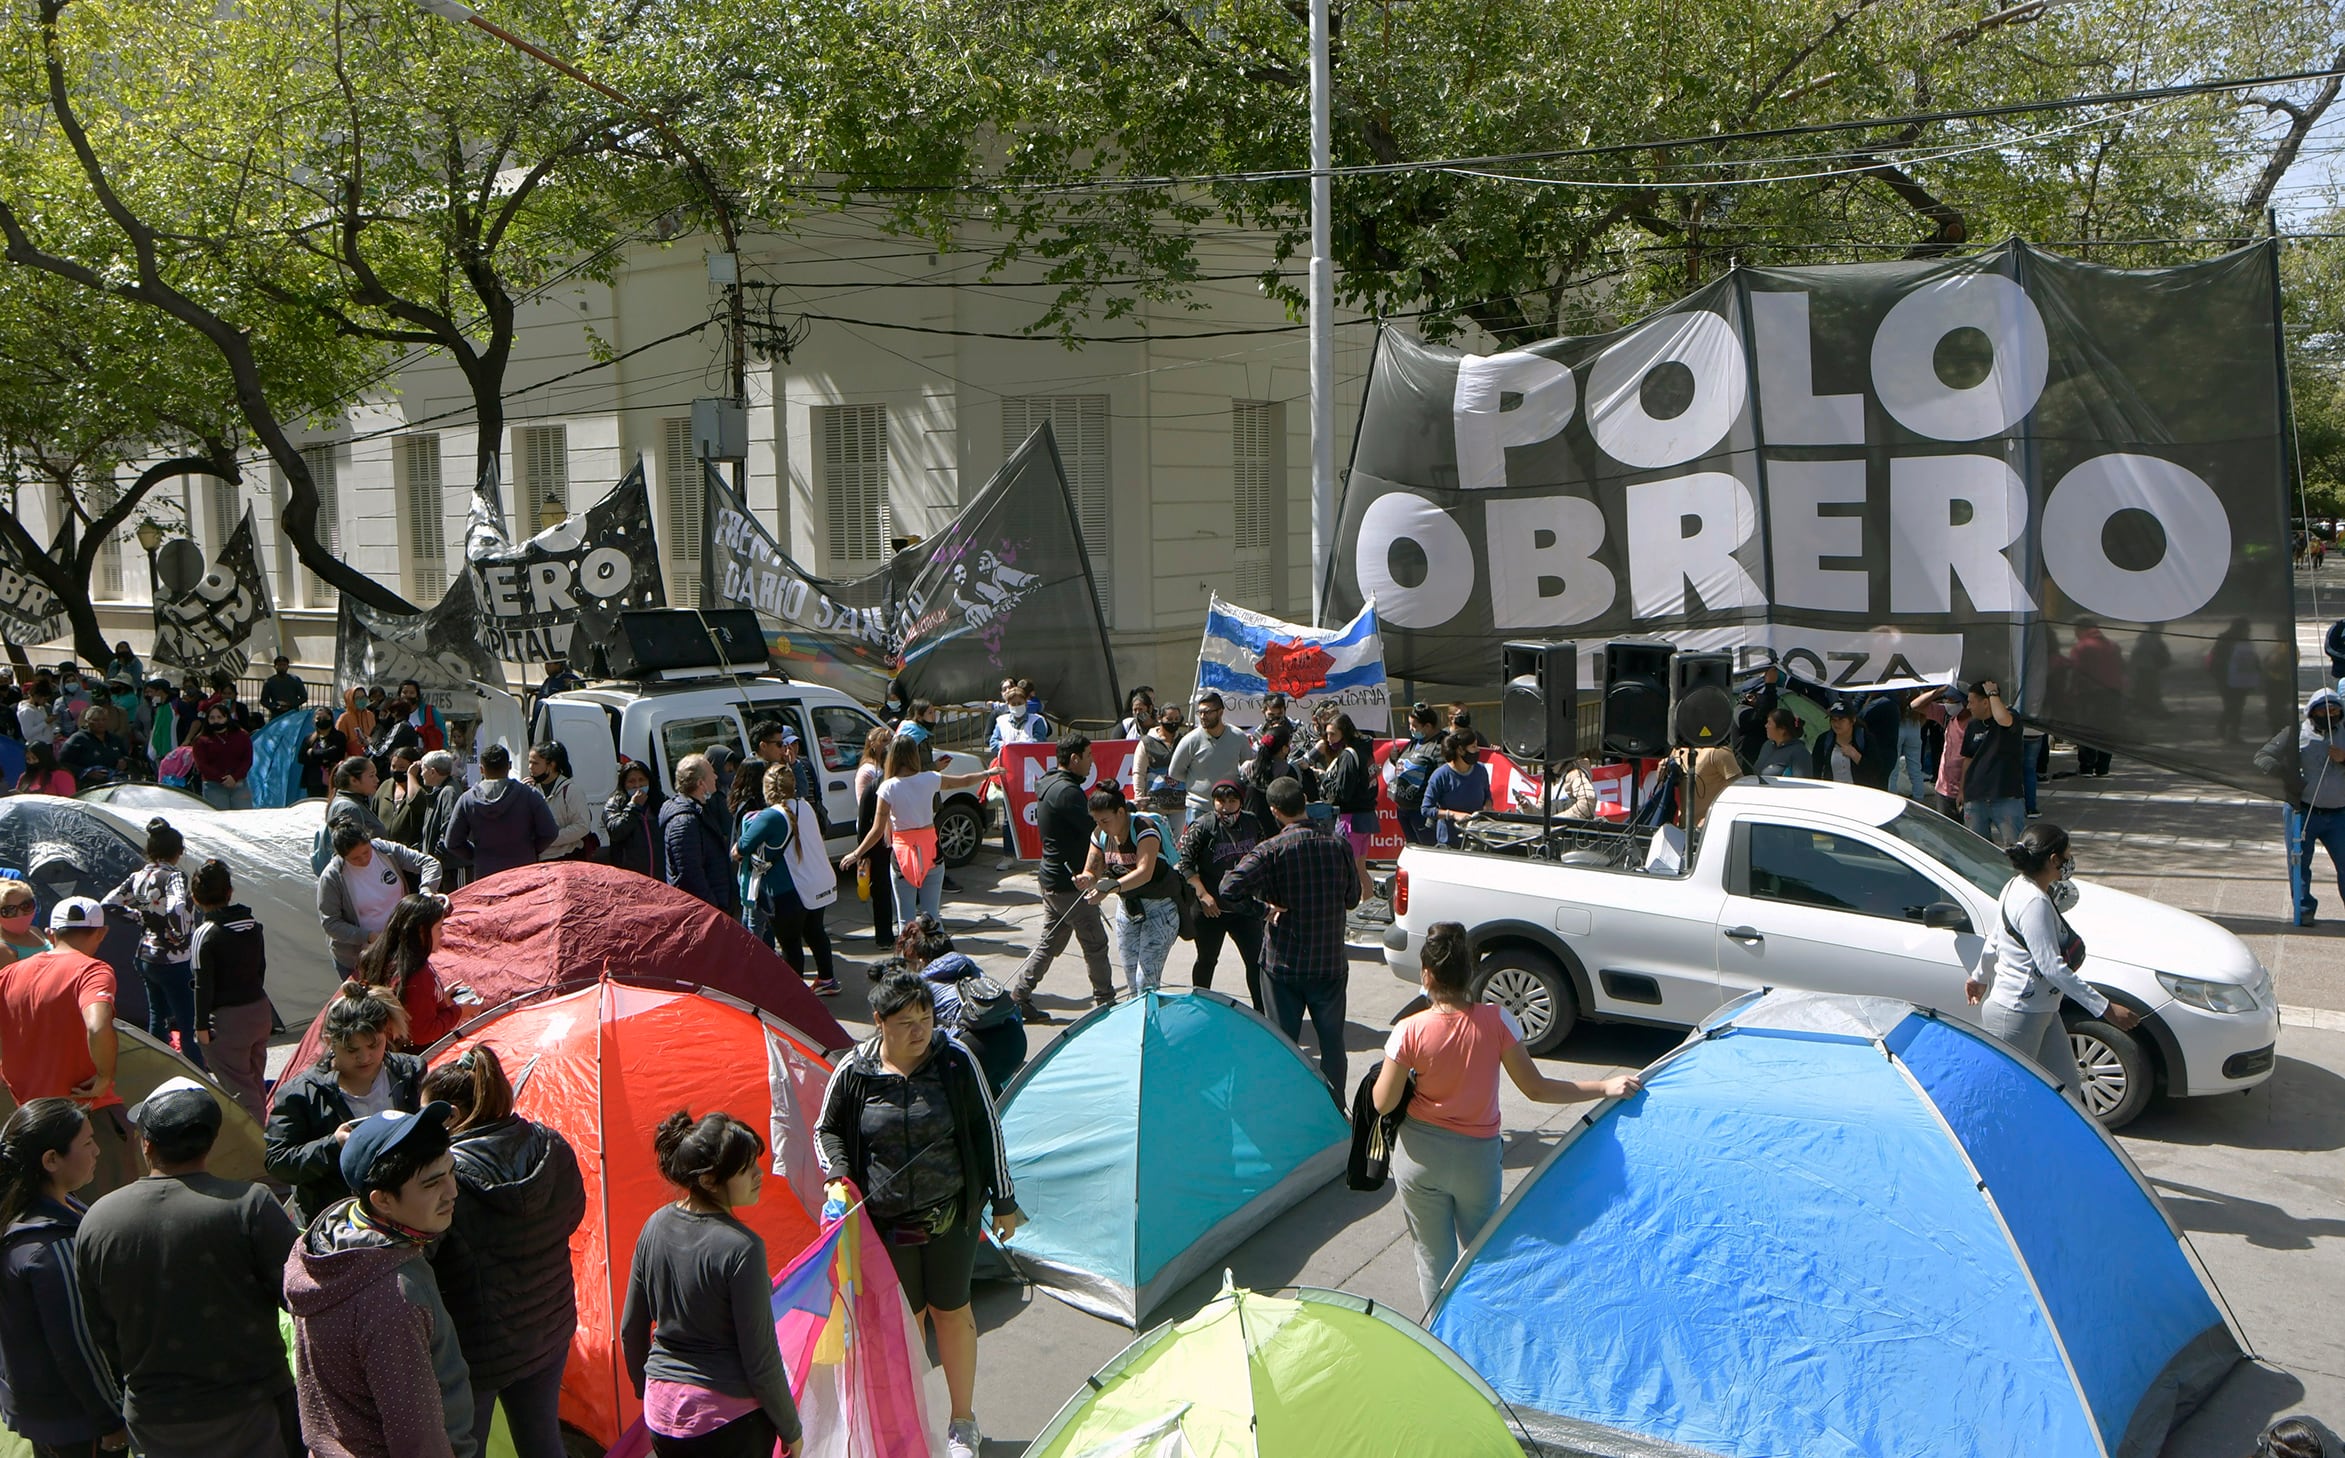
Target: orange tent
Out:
[602,1066]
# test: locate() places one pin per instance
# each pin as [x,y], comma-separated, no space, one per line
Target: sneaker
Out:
[824,987]
[962,1440]
[1031,1015]
[1006,863]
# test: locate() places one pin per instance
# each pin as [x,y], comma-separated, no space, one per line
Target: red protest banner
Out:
[1024,765]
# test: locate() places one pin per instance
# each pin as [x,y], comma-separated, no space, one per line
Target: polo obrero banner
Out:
[2014,465]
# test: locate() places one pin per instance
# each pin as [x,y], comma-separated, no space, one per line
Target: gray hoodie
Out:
[500,824]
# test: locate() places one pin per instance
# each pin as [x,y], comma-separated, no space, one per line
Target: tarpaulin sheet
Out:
[2013,465]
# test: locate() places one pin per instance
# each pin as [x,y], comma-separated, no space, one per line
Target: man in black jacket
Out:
[1211,848]
[181,1275]
[1065,823]
[695,841]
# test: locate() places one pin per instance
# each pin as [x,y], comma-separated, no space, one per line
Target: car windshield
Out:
[1964,852]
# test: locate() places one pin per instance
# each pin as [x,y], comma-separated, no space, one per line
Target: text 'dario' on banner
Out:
[204,630]
[577,575]
[1004,588]
[2070,478]
[1023,769]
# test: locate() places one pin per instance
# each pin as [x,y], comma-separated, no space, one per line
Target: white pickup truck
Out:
[658,721]
[1832,888]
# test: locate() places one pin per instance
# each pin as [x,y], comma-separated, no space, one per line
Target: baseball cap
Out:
[1841,709]
[76,912]
[176,1106]
[789,735]
[381,1133]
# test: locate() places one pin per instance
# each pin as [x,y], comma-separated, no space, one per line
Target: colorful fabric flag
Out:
[1247,655]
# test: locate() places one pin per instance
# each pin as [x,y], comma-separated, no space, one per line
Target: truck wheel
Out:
[2113,1070]
[960,832]
[1530,985]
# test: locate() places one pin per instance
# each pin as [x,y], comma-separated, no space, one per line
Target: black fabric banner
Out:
[2067,477]
[1006,588]
[583,571]
[29,613]
[203,631]
[443,648]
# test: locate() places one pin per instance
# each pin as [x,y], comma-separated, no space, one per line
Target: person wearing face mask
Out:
[2038,960]
[156,894]
[2309,761]
[574,837]
[317,1107]
[1211,848]
[223,758]
[19,937]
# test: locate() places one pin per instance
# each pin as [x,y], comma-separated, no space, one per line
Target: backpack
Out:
[1348,784]
[1416,766]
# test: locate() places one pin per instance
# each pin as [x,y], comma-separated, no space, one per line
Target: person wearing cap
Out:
[382,1373]
[775,742]
[1211,848]
[501,822]
[181,1275]
[2308,759]
[57,1035]
[281,692]
[1848,752]
[1062,814]
[1207,754]
[559,679]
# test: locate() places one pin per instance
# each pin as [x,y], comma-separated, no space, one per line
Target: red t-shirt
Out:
[44,1045]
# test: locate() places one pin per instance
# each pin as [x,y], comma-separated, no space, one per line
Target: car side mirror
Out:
[1945,916]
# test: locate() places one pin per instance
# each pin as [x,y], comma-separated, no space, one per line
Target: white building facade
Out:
[1185,432]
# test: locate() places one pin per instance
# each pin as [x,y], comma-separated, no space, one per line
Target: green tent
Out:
[1250,1376]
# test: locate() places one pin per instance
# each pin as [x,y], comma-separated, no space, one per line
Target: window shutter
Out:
[1080,424]
[1255,501]
[541,457]
[320,593]
[103,495]
[851,444]
[685,497]
[422,504]
[224,505]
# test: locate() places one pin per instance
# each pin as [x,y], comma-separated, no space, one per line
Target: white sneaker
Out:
[1006,863]
[962,1440]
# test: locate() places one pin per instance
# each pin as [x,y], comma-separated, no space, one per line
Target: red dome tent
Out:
[603,1065]
[537,927]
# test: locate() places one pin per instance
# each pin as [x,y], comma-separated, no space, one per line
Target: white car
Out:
[658,722]
[1830,888]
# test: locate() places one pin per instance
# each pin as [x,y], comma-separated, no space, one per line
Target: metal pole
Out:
[1322,318]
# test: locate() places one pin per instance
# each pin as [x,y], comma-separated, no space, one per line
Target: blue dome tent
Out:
[1151,1138]
[1839,1226]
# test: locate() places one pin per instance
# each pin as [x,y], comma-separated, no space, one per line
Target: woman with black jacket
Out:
[630,817]
[324,748]
[233,1015]
[504,1266]
[358,1078]
[53,1390]
[908,1126]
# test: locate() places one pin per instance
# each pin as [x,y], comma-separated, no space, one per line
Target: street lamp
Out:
[150,541]
[463,14]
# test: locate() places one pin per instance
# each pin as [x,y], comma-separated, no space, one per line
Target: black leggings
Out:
[795,929]
[750,1435]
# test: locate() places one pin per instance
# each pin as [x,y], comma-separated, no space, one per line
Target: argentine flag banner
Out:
[1247,655]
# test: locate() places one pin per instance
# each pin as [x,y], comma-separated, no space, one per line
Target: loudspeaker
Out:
[653,640]
[1704,685]
[1636,697]
[1538,718]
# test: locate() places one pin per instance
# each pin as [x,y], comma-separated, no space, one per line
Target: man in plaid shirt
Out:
[1306,882]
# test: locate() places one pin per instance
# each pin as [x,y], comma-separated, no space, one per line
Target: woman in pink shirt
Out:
[1447,1156]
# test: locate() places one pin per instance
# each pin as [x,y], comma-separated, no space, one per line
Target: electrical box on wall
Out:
[720,430]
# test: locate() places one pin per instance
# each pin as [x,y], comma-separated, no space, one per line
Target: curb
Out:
[2327,1020]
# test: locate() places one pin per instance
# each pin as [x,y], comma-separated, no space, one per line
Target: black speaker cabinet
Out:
[1636,697]
[1538,702]
[1704,684]
[654,640]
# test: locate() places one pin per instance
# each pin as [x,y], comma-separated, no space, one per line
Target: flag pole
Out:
[1322,317]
